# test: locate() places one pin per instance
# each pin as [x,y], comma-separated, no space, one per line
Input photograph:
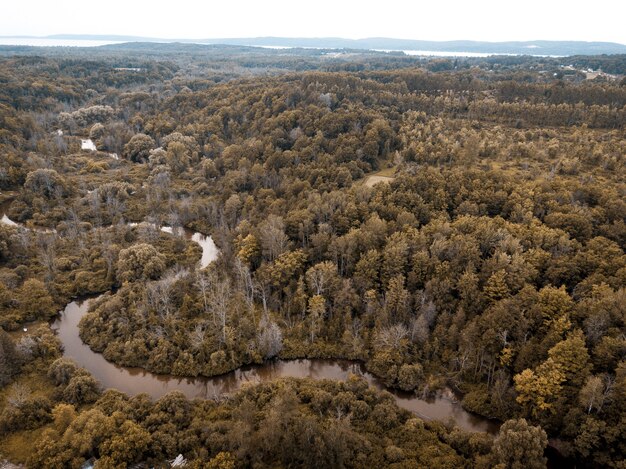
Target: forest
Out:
[452,224]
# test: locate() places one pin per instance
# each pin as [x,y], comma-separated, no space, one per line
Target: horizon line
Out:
[91,35]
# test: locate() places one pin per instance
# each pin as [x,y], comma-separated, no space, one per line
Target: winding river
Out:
[136,380]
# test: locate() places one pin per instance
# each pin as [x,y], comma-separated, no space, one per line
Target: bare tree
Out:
[18,395]
[204,283]
[197,336]
[322,277]
[273,238]
[246,284]
[114,206]
[392,337]
[262,291]
[73,230]
[596,392]
[215,296]
[269,338]
[47,254]
[219,305]
[158,295]
[93,198]
[420,331]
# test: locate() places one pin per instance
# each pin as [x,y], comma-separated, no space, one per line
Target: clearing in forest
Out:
[384,175]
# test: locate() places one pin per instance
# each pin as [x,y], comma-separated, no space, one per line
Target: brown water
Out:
[209,249]
[137,380]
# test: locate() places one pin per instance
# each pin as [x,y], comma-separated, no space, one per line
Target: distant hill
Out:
[539,47]
[518,48]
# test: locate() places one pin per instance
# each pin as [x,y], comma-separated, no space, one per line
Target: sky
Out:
[483,20]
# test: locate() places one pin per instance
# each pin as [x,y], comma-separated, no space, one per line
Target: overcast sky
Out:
[489,20]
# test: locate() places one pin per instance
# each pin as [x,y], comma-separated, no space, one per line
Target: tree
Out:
[87,116]
[496,287]
[63,415]
[572,358]
[554,302]
[82,389]
[45,182]
[367,270]
[157,157]
[87,432]
[140,262]
[62,370]
[35,301]
[138,148]
[410,376]
[177,157]
[222,460]
[538,390]
[469,291]
[317,310]
[7,241]
[9,359]
[215,293]
[395,257]
[273,238]
[248,248]
[322,278]
[97,131]
[126,446]
[592,394]
[397,301]
[520,445]
[285,269]
[393,338]
[269,339]
[159,294]
[589,440]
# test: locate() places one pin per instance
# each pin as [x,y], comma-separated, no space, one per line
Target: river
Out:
[133,381]
[136,380]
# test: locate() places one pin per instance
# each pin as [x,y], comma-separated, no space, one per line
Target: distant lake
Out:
[52,42]
[434,53]
[49,42]
[425,53]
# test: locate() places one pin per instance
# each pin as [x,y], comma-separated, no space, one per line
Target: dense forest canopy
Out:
[450,223]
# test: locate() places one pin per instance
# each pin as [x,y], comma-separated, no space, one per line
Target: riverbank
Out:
[137,380]
[133,381]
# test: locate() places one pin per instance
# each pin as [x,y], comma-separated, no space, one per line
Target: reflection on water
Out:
[209,249]
[136,380]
